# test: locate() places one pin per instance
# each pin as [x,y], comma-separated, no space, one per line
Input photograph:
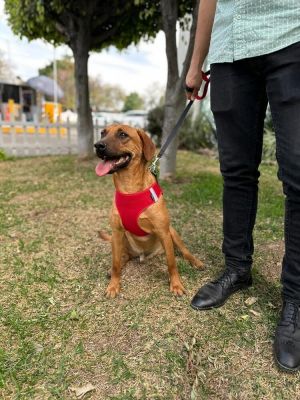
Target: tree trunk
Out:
[85,122]
[174,105]
[175,95]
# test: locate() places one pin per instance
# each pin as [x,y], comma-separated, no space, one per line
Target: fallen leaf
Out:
[187,346]
[193,394]
[38,347]
[245,316]
[257,314]
[51,301]
[81,391]
[250,301]
[73,315]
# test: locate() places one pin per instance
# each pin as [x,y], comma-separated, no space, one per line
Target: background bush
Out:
[155,122]
[194,134]
[3,156]
[269,146]
[198,133]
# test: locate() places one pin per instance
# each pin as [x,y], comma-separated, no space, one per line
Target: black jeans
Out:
[240,92]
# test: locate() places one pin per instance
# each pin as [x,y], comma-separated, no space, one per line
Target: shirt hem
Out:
[231,58]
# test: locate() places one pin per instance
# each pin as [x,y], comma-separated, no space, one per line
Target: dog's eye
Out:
[103,133]
[122,135]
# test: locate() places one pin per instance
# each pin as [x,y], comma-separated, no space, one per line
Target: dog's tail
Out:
[104,236]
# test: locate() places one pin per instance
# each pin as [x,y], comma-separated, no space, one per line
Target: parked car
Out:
[68,115]
[136,118]
[99,119]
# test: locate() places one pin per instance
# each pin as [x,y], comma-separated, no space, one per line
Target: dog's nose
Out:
[100,146]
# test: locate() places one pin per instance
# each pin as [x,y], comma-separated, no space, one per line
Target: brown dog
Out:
[126,152]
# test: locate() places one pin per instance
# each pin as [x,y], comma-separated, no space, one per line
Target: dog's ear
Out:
[148,145]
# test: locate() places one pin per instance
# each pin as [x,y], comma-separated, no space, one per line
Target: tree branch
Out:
[100,36]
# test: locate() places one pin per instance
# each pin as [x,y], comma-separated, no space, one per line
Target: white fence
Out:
[30,139]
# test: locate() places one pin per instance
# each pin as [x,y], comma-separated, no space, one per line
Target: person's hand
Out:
[193,82]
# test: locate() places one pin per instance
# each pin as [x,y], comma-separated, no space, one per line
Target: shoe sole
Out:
[283,368]
[243,287]
[208,308]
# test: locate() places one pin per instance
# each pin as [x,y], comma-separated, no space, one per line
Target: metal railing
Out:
[30,138]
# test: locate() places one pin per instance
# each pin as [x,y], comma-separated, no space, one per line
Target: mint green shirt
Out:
[249,28]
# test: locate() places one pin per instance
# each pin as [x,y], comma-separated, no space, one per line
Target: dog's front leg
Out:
[117,251]
[176,286]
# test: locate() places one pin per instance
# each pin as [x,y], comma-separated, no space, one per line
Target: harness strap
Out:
[131,205]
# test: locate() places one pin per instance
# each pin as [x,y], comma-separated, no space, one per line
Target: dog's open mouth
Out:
[110,165]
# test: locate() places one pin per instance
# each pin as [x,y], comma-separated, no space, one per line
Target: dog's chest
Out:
[149,245]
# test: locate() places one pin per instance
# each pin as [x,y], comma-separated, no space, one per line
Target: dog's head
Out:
[121,146]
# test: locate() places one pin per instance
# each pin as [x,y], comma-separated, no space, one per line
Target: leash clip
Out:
[153,167]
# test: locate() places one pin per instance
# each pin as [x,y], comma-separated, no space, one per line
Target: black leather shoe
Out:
[287,338]
[214,294]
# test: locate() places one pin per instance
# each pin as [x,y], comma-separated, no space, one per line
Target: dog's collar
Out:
[131,205]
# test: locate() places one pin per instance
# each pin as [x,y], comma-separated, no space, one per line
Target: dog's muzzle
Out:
[100,148]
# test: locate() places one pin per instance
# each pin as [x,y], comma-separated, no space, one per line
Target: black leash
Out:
[153,167]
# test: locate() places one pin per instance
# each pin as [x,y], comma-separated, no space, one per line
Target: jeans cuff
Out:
[242,266]
[290,299]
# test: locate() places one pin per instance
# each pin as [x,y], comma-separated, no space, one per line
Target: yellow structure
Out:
[31,129]
[52,111]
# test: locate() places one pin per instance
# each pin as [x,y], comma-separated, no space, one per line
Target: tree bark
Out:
[84,123]
[175,95]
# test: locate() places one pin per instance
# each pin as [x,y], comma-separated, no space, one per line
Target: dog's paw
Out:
[195,262]
[177,288]
[112,291]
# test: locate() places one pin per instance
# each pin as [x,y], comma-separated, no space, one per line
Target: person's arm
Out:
[206,15]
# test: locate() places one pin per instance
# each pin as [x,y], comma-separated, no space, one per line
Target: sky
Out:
[139,68]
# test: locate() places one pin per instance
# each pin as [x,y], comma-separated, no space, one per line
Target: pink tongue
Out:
[103,168]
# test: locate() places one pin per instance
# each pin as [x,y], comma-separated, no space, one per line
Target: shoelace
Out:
[290,314]
[224,278]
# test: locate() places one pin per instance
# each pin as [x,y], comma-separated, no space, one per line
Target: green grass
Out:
[59,331]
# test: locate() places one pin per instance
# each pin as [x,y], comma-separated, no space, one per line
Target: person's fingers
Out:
[188,91]
[194,94]
[188,95]
[192,85]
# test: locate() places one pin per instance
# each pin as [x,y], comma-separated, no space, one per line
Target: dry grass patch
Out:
[58,331]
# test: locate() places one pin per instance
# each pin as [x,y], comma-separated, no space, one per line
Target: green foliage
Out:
[269,146]
[55,20]
[197,134]
[193,135]
[151,11]
[3,155]
[133,102]
[104,23]
[268,121]
[155,121]
[29,18]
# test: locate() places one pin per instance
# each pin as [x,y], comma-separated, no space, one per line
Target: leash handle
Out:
[206,79]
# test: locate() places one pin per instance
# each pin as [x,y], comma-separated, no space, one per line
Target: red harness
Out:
[131,205]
